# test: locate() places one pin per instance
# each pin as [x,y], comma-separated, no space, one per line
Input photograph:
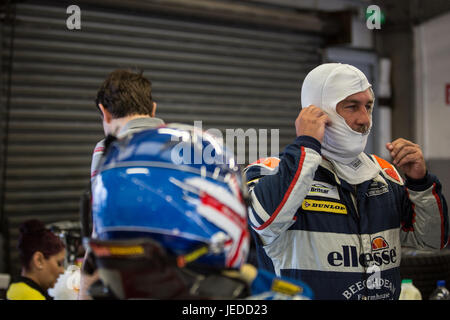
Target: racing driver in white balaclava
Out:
[333,216]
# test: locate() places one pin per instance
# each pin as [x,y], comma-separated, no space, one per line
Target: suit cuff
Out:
[419,184]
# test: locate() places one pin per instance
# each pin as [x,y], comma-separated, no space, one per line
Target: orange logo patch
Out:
[379,243]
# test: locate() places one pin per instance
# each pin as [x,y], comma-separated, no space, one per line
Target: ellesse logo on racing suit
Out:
[324,206]
[348,257]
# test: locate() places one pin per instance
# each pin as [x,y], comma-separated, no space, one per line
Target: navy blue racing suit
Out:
[343,240]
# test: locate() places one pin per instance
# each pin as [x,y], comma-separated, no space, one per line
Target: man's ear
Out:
[107,117]
[37,260]
[154,110]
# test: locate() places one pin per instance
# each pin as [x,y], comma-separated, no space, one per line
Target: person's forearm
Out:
[427,225]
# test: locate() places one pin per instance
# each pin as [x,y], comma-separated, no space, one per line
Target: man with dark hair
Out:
[126,105]
[125,102]
[125,93]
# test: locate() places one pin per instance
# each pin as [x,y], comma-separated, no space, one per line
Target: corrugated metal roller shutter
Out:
[227,76]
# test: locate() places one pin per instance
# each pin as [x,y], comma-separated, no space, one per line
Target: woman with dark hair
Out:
[42,256]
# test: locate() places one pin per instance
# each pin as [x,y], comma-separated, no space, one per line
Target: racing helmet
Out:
[169,213]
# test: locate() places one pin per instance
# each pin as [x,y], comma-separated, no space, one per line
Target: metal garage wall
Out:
[228,76]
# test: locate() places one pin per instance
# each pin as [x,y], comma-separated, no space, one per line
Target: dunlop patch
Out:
[324,206]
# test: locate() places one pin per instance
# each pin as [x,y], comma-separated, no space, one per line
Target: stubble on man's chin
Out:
[362,129]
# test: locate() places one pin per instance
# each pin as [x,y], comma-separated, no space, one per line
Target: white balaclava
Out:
[325,86]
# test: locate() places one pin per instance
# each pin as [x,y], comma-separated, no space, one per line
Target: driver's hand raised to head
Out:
[312,121]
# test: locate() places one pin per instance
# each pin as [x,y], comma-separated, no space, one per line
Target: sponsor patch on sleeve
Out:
[324,206]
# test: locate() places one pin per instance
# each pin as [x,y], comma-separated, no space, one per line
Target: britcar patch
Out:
[322,189]
[324,206]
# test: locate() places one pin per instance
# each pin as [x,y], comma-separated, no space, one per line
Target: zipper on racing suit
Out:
[365,244]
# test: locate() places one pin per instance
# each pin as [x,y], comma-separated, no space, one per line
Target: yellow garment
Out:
[22,291]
